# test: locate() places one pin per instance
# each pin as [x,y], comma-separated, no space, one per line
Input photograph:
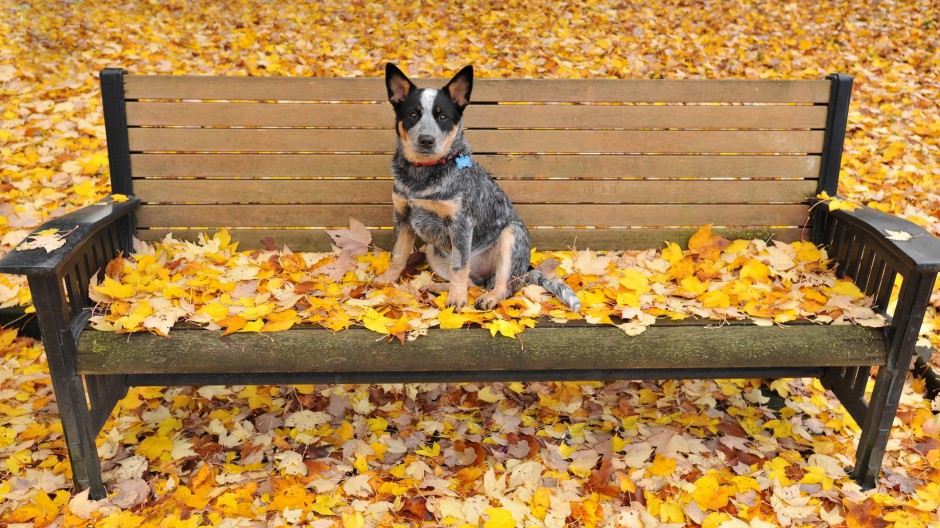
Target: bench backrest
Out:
[649,159]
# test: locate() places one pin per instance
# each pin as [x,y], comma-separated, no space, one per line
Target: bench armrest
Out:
[920,253]
[81,225]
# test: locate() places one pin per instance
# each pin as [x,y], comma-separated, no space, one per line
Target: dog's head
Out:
[427,120]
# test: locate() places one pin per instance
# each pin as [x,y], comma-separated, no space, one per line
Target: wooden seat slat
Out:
[546,348]
[198,87]
[219,191]
[478,116]
[502,166]
[506,141]
[532,214]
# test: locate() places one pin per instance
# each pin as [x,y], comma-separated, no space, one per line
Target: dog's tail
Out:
[555,287]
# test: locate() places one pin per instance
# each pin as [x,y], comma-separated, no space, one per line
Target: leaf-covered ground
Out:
[698,453]
[634,454]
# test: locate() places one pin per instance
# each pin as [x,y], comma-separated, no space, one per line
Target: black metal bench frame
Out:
[856,240]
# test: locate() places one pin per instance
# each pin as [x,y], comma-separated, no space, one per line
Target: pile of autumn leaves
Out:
[665,454]
[211,283]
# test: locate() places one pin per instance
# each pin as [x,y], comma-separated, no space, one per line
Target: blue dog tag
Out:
[464,162]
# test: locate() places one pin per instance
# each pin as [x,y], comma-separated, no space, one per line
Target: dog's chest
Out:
[432,220]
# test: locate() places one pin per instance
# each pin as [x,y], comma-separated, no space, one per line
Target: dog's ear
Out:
[398,84]
[460,86]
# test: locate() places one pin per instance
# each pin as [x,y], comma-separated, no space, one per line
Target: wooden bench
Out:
[637,161]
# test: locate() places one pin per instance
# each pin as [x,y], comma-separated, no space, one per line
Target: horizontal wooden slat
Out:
[534,90]
[502,166]
[534,215]
[597,239]
[479,116]
[520,191]
[319,140]
[546,348]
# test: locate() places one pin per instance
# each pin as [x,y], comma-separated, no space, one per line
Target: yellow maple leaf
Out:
[843,287]
[737,246]
[432,451]
[715,299]
[361,464]
[806,251]
[694,286]
[499,518]
[376,322]
[354,520]
[216,310]
[662,466]
[449,320]
[155,447]
[755,270]
[252,326]
[672,253]
[635,280]
[835,203]
[709,494]
[280,321]
[115,289]
[504,327]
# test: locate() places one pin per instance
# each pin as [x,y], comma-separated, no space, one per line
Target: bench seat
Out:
[573,351]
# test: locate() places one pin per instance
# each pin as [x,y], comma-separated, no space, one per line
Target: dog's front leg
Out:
[404,236]
[462,239]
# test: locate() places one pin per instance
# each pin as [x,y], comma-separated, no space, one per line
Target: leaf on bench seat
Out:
[355,240]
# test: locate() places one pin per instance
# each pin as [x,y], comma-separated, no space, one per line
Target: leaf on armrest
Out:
[900,236]
[48,239]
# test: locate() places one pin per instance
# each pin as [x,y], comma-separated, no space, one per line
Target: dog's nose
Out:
[426,141]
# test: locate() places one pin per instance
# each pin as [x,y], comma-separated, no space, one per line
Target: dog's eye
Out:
[413,115]
[442,117]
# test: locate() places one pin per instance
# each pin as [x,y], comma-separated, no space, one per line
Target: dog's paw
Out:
[487,301]
[438,287]
[386,278]
[457,299]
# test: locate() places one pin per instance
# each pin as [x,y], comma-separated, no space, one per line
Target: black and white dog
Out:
[442,196]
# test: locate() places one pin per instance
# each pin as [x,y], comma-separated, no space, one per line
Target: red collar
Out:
[431,163]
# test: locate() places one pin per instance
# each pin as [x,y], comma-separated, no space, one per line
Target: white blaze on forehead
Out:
[427,100]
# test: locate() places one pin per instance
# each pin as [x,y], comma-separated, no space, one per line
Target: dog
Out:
[452,203]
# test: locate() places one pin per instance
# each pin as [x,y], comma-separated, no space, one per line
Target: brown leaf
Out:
[865,515]
[355,240]
[115,268]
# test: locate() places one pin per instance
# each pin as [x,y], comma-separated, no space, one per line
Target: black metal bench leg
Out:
[876,427]
[78,426]
[883,406]
[77,422]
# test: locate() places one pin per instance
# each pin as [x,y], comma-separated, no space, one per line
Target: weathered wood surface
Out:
[484,90]
[502,166]
[496,141]
[540,348]
[560,215]
[547,239]
[520,191]
[479,116]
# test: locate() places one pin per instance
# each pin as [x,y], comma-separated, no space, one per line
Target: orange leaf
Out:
[707,245]
[232,324]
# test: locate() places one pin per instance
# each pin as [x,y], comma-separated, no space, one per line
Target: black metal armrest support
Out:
[59,282]
[920,253]
[859,244]
[82,226]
